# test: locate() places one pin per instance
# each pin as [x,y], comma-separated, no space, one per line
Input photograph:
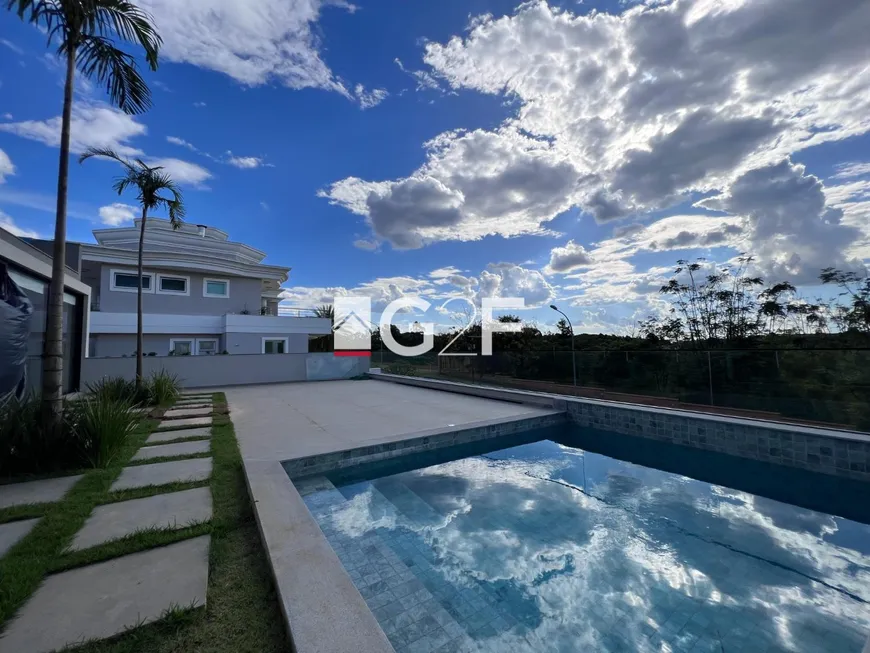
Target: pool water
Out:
[545,546]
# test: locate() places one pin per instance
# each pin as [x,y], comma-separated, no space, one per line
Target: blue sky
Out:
[565,154]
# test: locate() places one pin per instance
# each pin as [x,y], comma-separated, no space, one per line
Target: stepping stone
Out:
[46,490]
[104,599]
[178,449]
[187,406]
[195,469]
[12,532]
[196,395]
[188,412]
[116,520]
[166,436]
[189,421]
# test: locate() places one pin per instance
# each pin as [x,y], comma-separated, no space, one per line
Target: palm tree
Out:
[150,183]
[325,310]
[83,31]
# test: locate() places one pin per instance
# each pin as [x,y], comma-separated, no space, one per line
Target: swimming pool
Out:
[545,545]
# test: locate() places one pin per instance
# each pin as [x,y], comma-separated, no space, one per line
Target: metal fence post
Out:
[710,375]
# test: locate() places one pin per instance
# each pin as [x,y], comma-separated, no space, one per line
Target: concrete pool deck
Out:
[323,609]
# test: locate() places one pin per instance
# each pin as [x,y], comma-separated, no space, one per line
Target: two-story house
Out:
[203,294]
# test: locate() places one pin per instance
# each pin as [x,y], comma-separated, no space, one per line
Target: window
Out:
[172,285]
[180,346]
[274,345]
[215,288]
[206,346]
[125,281]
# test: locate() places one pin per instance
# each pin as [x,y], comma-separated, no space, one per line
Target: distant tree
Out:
[718,306]
[774,305]
[564,327]
[155,189]
[509,319]
[83,31]
[325,310]
[855,316]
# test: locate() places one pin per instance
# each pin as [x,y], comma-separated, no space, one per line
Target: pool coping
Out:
[322,609]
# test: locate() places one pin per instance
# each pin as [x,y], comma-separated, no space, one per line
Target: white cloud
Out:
[183,143]
[369,99]
[252,42]
[93,125]
[367,245]
[568,257]
[6,166]
[790,226]
[117,213]
[244,162]
[425,80]
[7,116]
[624,114]
[199,105]
[496,280]
[474,184]
[9,44]
[182,172]
[9,225]
[98,125]
[510,280]
[853,169]
[265,206]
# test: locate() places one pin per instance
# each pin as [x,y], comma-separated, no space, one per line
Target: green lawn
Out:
[242,612]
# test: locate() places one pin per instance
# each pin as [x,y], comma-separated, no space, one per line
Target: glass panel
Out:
[129,281]
[274,347]
[182,347]
[173,284]
[207,346]
[216,287]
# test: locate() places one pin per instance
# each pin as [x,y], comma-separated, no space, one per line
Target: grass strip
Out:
[26,564]
[168,459]
[242,613]
[132,543]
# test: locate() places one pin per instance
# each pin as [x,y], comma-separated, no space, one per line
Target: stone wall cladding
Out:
[828,452]
[323,463]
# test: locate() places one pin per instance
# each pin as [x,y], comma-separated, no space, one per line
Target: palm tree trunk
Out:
[52,360]
[139,305]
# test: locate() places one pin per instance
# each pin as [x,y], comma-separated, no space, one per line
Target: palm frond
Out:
[98,57]
[104,152]
[130,22]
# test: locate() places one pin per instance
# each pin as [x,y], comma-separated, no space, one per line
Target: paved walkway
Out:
[104,599]
[280,422]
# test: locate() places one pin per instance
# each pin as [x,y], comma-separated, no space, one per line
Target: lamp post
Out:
[570,326]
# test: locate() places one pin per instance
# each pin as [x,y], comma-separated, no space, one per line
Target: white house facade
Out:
[202,295]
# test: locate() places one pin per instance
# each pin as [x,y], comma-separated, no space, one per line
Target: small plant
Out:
[163,387]
[101,427]
[225,353]
[151,353]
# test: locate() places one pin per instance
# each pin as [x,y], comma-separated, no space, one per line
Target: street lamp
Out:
[570,326]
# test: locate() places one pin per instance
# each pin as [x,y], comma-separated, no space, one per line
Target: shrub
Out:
[30,446]
[163,388]
[101,427]
[116,388]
